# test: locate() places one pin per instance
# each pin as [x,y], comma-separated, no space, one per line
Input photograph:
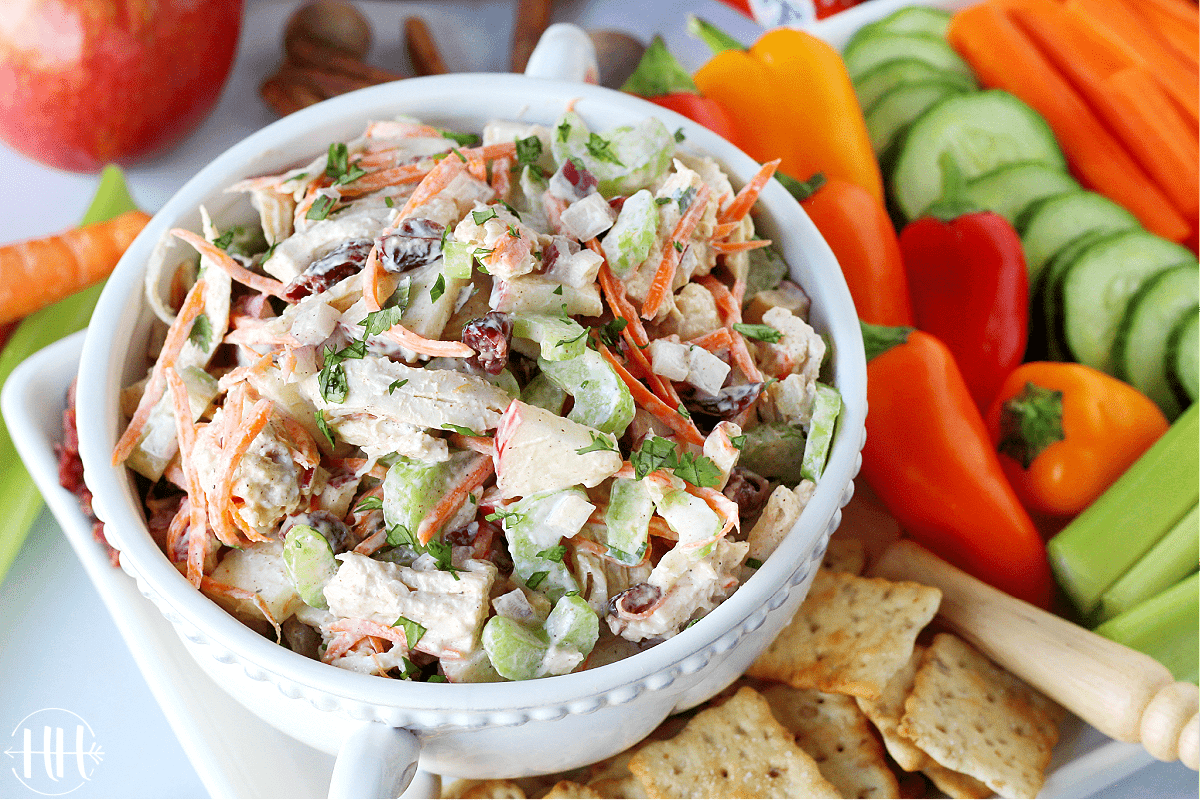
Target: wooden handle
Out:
[1119,691]
[530,21]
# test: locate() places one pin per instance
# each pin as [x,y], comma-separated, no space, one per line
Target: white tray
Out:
[236,754]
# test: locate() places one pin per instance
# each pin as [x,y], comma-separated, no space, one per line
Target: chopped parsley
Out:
[379,321]
[610,332]
[338,167]
[394,385]
[332,378]
[481,217]
[738,441]
[319,210]
[679,137]
[753,563]
[698,470]
[557,290]
[529,149]
[436,679]
[500,515]
[564,130]
[369,504]
[323,426]
[685,198]
[555,553]
[398,535]
[461,139]
[658,453]
[438,289]
[458,153]
[389,202]
[535,580]
[413,631]
[599,444]
[678,246]
[511,210]
[661,201]
[459,429]
[683,412]
[513,232]
[763,333]
[226,239]
[442,551]
[201,333]
[602,150]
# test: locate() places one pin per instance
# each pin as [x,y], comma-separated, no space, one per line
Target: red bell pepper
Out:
[662,80]
[929,458]
[970,288]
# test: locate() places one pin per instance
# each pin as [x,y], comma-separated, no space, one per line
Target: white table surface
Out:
[59,648]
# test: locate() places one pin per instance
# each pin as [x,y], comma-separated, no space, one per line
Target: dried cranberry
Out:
[336,265]
[415,243]
[324,523]
[489,336]
[576,174]
[727,403]
[637,599]
[749,490]
[617,203]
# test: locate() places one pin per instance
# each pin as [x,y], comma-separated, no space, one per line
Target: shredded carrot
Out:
[480,444]
[177,334]
[453,500]
[731,313]
[722,230]
[438,179]
[372,543]
[240,374]
[222,260]
[399,129]
[185,431]
[745,199]
[634,332]
[366,627]
[381,179]
[648,400]
[502,176]
[664,277]
[740,247]
[491,152]
[211,587]
[179,524]
[305,452]
[235,448]
[714,341]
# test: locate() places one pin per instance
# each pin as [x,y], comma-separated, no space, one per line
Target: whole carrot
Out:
[39,272]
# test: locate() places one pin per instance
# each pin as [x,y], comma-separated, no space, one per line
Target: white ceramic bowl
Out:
[468,730]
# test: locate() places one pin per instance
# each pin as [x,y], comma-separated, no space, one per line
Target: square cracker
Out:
[572,791]
[832,729]
[850,635]
[977,719]
[886,712]
[737,749]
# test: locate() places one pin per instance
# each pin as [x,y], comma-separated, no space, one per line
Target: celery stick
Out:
[1164,628]
[1168,562]
[1102,543]
[18,495]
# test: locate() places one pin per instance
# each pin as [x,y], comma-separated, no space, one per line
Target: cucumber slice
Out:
[980,132]
[1140,349]
[1097,285]
[877,47]
[1048,323]
[1183,351]
[1010,189]
[878,80]
[914,19]
[1050,224]
[892,114]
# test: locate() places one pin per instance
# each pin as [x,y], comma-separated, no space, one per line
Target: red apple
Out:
[88,82]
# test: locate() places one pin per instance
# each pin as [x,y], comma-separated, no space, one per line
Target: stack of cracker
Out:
[844,703]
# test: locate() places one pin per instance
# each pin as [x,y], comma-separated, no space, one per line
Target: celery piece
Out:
[412,488]
[18,494]
[623,159]
[1168,562]
[602,400]
[628,242]
[544,393]
[1108,537]
[692,519]
[516,651]
[309,563]
[573,625]
[559,337]
[627,520]
[1164,628]
[820,431]
[457,259]
[157,445]
[534,527]
[767,270]
[774,450]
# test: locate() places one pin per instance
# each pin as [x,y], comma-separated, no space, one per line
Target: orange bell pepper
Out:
[928,457]
[858,230]
[790,98]
[1065,432]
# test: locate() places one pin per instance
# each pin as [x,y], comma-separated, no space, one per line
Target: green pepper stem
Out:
[1030,422]
[718,40]
[659,73]
[878,339]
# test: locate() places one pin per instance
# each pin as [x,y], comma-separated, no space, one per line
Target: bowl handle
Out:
[375,761]
[564,52]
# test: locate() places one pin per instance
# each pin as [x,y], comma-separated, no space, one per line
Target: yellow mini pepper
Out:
[791,98]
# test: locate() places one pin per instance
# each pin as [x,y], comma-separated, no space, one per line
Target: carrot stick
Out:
[186,432]
[1115,20]
[647,400]
[39,272]
[222,260]
[1002,56]
[1176,24]
[1133,107]
[665,276]
[744,200]
[453,500]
